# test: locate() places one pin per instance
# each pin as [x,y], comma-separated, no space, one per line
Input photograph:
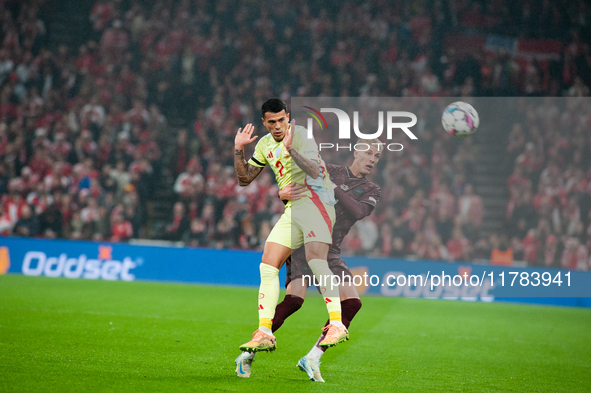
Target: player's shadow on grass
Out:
[225,376]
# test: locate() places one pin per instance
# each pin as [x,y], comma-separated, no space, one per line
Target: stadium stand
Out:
[125,131]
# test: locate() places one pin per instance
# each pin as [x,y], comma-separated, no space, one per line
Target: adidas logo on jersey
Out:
[311,234]
[270,155]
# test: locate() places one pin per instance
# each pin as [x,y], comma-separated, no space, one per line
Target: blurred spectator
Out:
[445,200]
[178,225]
[190,180]
[470,209]
[5,223]
[458,247]
[418,246]
[481,250]
[435,249]
[180,154]
[6,65]
[553,250]
[248,239]
[120,176]
[368,234]
[27,225]
[398,249]
[224,235]
[51,222]
[14,203]
[502,252]
[197,235]
[530,246]
[575,255]
[578,89]
[385,239]
[121,229]
[351,243]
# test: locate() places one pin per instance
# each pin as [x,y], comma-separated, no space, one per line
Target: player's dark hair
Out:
[273,105]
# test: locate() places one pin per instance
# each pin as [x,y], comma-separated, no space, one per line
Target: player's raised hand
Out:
[244,137]
[289,135]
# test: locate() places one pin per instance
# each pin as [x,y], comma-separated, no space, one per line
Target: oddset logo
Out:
[38,263]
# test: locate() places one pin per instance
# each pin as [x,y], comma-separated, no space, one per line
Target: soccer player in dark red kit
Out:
[356,198]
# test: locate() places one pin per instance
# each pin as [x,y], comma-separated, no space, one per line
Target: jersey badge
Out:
[358,191]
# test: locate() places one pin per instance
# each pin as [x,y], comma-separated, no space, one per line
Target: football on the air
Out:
[460,119]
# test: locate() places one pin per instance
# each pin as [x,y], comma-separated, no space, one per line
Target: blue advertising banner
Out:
[377,276]
[470,282]
[112,261]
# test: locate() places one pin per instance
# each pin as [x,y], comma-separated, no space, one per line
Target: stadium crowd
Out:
[549,211]
[86,140]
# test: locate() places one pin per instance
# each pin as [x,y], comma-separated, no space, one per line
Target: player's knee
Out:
[352,304]
[295,301]
[358,303]
[319,266]
[268,271]
[314,255]
[271,261]
[298,290]
[316,250]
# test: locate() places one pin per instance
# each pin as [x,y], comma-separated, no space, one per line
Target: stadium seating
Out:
[102,133]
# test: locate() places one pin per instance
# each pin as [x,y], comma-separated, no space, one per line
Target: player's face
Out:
[276,124]
[365,161]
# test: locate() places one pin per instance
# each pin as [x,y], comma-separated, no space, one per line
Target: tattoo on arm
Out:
[245,172]
[310,167]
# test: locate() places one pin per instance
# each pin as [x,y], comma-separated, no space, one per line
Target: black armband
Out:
[259,163]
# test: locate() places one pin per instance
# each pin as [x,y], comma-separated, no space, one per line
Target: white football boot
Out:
[244,364]
[311,367]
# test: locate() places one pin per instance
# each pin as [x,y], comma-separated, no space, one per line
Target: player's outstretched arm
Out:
[310,167]
[245,172]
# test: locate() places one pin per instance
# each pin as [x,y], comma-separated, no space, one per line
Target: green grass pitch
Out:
[75,335]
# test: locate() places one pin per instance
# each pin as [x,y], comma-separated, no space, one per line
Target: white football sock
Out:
[266,330]
[315,353]
[249,355]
